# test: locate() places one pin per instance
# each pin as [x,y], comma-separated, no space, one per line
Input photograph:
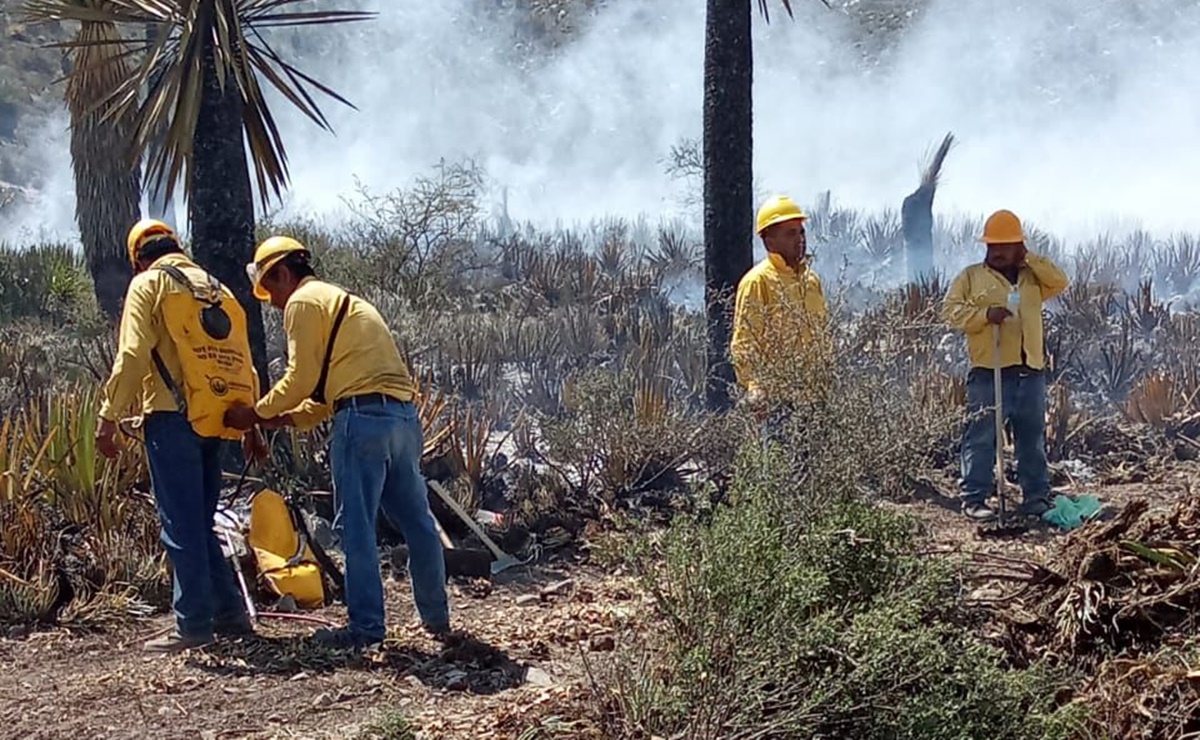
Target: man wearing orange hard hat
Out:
[997,304]
[779,313]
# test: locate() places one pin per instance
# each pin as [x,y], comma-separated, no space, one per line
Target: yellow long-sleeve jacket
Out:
[979,287]
[134,385]
[778,316]
[365,357]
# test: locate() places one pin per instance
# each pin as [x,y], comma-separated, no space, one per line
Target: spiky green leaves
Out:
[173,40]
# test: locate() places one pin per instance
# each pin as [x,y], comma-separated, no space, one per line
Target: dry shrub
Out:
[1117,601]
[1152,697]
[1121,588]
[620,437]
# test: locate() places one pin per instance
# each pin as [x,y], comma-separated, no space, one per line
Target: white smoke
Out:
[1080,115]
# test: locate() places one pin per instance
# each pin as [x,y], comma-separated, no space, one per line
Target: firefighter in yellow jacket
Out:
[343,360]
[1007,291]
[780,313]
[183,354]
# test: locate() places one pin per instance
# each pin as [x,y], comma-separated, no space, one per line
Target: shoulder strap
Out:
[177,394]
[318,393]
[177,275]
[214,285]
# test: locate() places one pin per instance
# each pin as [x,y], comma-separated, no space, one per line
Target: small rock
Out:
[528,599]
[538,677]
[456,681]
[18,632]
[299,676]
[287,605]
[603,643]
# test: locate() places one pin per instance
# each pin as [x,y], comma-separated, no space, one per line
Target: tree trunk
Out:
[728,179]
[107,176]
[916,220]
[221,202]
[916,217]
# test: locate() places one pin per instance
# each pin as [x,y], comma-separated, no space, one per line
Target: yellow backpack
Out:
[287,565]
[208,327]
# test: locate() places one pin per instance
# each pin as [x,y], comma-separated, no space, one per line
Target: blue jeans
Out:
[375,456]
[1024,398]
[185,473]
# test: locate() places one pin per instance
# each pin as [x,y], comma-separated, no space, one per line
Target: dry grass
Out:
[562,376]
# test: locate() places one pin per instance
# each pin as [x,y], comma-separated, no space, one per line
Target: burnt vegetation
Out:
[563,383]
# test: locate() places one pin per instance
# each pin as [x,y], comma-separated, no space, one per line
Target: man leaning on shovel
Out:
[998,305]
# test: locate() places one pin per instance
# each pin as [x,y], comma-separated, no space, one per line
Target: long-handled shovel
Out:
[503,560]
[1001,528]
[1001,483]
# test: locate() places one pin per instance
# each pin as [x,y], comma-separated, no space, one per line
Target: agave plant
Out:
[201,68]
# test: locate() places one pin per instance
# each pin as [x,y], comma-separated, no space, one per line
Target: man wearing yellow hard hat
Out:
[176,320]
[997,304]
[342,359]
[779,313]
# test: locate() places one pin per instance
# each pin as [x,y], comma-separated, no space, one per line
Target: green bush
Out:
[802,611]
[47,281]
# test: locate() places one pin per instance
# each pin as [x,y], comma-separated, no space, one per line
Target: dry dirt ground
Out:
[533,638]
[529,638]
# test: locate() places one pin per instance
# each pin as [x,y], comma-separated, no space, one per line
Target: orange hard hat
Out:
[1002,227]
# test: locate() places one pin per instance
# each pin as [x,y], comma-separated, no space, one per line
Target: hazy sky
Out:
[1078,114]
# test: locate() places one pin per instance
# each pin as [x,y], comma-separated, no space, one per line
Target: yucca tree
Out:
[728,174]
[105,163]
[200,64]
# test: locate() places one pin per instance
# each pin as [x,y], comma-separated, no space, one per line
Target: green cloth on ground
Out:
[1069,513]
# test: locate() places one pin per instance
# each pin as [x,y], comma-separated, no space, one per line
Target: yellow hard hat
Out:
[1002,227]
[776,210]
[142,232]
[268,254]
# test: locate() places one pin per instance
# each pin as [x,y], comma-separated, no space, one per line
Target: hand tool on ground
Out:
[237,567]
[463,562]
[503,560]
[470,562]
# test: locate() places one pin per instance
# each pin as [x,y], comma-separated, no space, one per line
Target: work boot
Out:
[1034,507]
[980,512]
[439,632]
[343,639]
[239,627]
[175,643]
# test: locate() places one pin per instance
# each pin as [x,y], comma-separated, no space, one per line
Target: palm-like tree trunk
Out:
[728,177]
[916,217]
[220,199]
[105,163]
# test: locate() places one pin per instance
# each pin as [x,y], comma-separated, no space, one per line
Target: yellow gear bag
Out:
[286,564]
[208,327]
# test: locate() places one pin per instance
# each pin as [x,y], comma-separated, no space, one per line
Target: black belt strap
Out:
[318,394]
